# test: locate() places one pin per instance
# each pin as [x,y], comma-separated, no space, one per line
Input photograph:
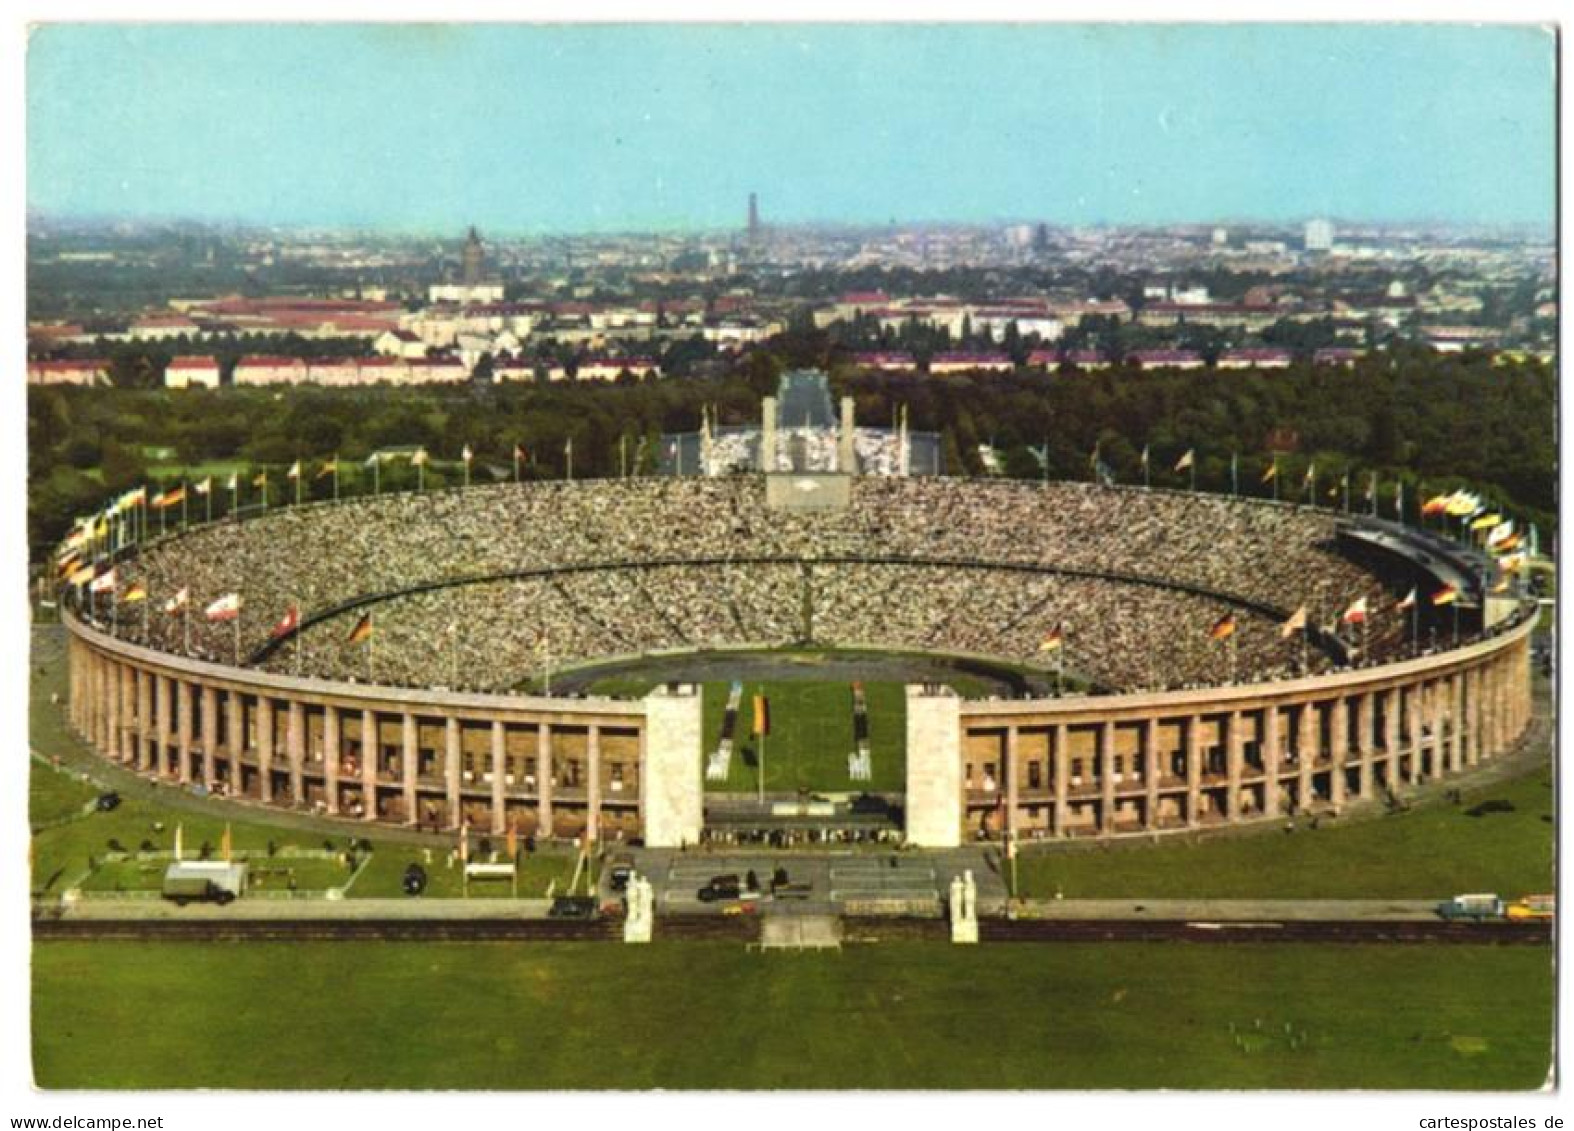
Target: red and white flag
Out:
[104,582]
[1356,613]
[225,608]
[291,621]
[1409,600]
[178,601]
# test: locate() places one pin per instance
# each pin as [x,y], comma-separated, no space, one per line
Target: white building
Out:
[466,294]
[1319,235]
[184,372]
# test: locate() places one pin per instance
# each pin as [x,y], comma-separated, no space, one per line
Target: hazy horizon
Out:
[546,130]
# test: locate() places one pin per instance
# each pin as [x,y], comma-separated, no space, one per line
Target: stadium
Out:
[1004,659]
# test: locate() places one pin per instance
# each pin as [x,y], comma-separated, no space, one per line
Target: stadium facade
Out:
[468,594]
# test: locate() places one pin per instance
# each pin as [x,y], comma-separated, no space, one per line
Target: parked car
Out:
[108,802]
[572,907]
[1531,907]
[414,881]
[719,888]
[619,871]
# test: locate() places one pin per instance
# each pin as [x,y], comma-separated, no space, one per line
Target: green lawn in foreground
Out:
[811,736]
[713,1015]
[1431,852]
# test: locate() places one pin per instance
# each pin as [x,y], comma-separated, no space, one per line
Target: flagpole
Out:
[296,605]
[207,500]
[1235,484]
[183,508]
[185,623]
[336,477]
[377,476]
[237,638]
[235,493]
[516,465]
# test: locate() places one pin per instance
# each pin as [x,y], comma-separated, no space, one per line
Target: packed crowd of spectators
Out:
[652,564]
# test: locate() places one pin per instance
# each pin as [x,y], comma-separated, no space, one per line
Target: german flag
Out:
[762,715]
[1445,596]
[361,632]
[170,498]
[137,592]
[1437,504]
[1271,473]
[1223,628]
[1053,640]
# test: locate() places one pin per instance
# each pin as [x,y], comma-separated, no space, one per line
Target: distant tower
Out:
[754,217]
[1319,235]
[472,260]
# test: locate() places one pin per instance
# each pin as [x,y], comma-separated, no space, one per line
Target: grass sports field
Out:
[811,736]
[712,1015]
[1500,837]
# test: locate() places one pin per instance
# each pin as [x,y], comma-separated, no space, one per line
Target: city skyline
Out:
[668,129]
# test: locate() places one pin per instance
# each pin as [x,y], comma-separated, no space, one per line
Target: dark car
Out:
[718,888]
[108,802]
[414,882]
[619,871]
[572,907]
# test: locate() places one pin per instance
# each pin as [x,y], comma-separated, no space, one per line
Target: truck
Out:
[1475,907]
[203,881]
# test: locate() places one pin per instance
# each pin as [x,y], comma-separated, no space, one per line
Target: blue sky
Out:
[551,128]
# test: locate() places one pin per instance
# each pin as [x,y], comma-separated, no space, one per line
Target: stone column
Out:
[1456,722]
[265,746]
[1413,696]
[1106,752]
[371,751]
[332,751]
[183,713]
[210,736]
[126,751]
[1271,755]
[1439,744]
[1472,717]
[544,778]
[452,758]
[499,772]
[1365,743]
[1150,771]
[1194,771]
[1234,750]
[1338,748]
[295,743]
[1062,779]
[235,717]
[111,748]
[1010,773]
[1500,673]
[408,764]
[1305,753]
[162,725]
[593,786]
[1392,706]
[144,719]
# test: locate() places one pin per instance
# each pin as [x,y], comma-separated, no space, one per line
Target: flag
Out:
[1512,542]
[1486,522]
[419,459]
[225,608]
[136,592]
[1371,488]
[1296,623]
[204,487]
[1500,532]
[329,468]
[1461,504]
[1356,613]
[290,622]
[1445,596]
[762,715]
[135,497]
[68,564]
[75,540]
[82,576]
[371,460]
[1144,457]
[1409,599]
[234,481]
[1437,504]
[361,632]
[1053,640]
[261,480]
[1223,628]
[104,582]
[1512,563]
[1186,460]
[1311,472]
[465,455]
[170,498]
[521,455]
[178,601]
[295,471]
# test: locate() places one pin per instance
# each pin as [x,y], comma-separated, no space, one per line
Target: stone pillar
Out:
[1306,753]
[935,807]
[1338,749]
[768,434]
[593,785]
[183,713]
[111,748]
[499,772]
[265,746]
[452,757]
[1413,719]
[1150,771]
[1062,757]
[408,766]
[1106,777]
[295,743]
[210,736]
[126,751]
[1234,756]
[544,771]
[332,751]
[144,720]
[1194,771]
[371,751]
[846,455]
[162,724]
[1456,722]
[1392,700]
[1272,754]
[1010,773]
[672,789]
[1473,717]
[1439,744]
[235,717]
[1364,742]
